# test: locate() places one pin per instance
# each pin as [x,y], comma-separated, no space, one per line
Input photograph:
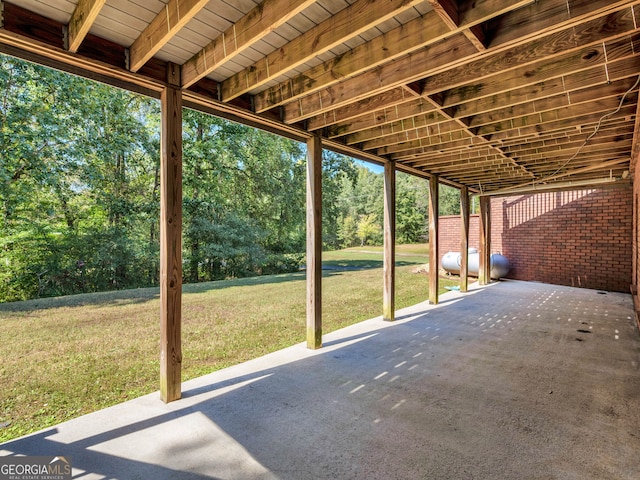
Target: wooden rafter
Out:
[241,35]
[428,61]
[171,19]
[388,100]
[83,16]
[421,32]
[344,25]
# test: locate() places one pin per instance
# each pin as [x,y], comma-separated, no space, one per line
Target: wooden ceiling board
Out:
[58,10]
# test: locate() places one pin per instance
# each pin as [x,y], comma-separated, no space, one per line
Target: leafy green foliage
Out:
[79,192]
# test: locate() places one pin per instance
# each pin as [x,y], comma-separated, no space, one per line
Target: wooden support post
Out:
[484,274]
[464,239]
[314,242]
[388,301]
[433,239]
[170,237]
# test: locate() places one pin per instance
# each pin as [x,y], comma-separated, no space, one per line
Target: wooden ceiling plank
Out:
[468,165]
[391,98]
[412,67]
[604,133]
[440,130]
[570,113]
[582,126]
[456,141]
[346,24]
[395,115]
[471,169]
[451,159]
[604,166]
[570,83]
[444,55]
[543,90]
[575,39]
[578,69]
[604,148]
[467,151]
[173,17]
[546,105]
[84,15]
[262,19]
[430,123]
[546,16]
[485,179]
[423,31]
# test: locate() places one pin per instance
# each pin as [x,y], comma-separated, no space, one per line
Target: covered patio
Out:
[508,380]
[491,97]
[512,380]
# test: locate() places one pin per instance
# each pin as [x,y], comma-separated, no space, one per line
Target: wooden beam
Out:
[586,38]
[448,12]
[314,242]
[388,99]
[434,257]
[83,16]
[546,16]
[171,19]
[262,19]
[348,23]
[579,121]
[513,89]
[364,130]
[443,65]
[422,32]
[389,270]
[170,237]
[549,106]
[464,239]
[601,166]
[484,274]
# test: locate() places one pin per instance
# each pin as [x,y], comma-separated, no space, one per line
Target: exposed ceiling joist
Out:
[261,20]
[169,21]
[344,25]
[83,16]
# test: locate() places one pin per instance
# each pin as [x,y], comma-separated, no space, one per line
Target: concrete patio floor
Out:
[511,381]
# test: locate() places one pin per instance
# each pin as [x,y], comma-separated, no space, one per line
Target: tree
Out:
[449,201]
[369,231]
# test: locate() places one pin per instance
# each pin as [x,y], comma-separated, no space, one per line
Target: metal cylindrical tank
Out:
[499,266]
[499,263]
[451,260]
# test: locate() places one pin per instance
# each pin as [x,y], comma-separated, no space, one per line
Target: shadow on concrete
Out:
[493,384]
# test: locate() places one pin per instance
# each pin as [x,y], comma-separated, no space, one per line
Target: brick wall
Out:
[579,238]
[635,248]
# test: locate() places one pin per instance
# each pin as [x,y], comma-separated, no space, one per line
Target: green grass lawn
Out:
[68,356]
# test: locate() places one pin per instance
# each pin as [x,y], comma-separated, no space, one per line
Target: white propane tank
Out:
[499,263]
